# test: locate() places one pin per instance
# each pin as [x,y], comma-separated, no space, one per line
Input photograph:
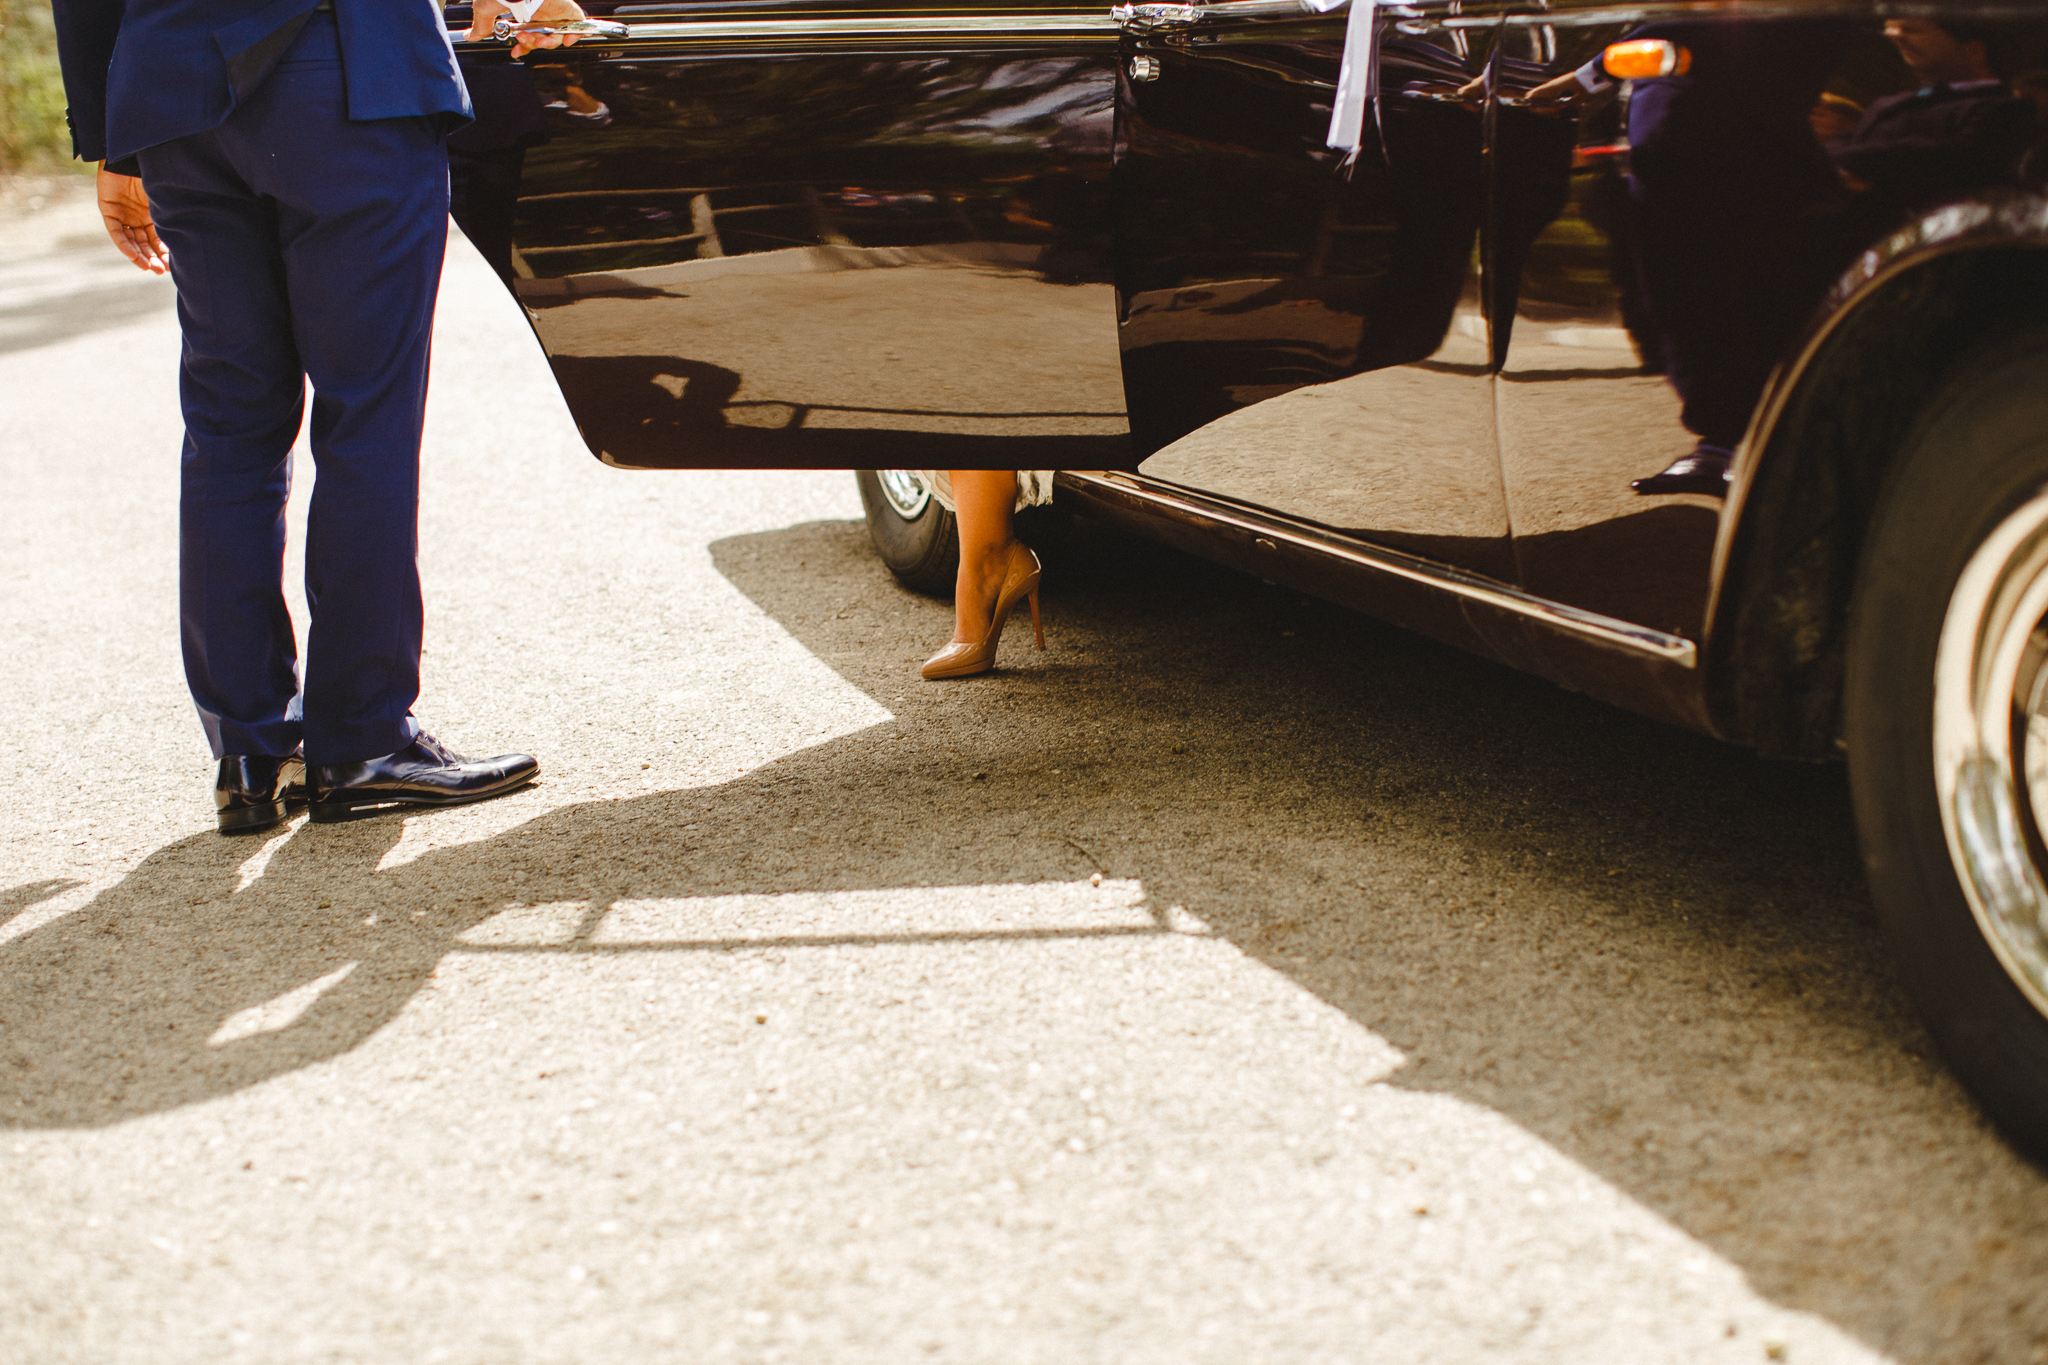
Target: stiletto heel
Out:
[964,658]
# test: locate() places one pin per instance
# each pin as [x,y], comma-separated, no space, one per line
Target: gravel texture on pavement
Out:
[1238,981]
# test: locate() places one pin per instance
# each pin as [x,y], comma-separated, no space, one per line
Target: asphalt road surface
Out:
[1238,981]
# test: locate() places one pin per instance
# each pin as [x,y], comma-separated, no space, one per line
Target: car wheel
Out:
[916,536]
[1945,716]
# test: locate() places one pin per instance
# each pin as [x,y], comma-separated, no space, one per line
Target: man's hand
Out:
[124,206]
[1558,95]
[485,13]
[1561,95]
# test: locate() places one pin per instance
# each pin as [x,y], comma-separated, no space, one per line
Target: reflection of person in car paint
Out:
[578,109]
[1960,133]
[1724,171]
[487,158]
[1833,117]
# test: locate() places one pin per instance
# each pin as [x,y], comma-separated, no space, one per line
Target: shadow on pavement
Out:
[1652,951]
[18,898]
[47,319]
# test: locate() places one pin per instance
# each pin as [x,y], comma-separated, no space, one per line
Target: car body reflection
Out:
[682,214]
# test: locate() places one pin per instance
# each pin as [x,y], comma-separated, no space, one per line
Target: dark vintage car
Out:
[1790,256]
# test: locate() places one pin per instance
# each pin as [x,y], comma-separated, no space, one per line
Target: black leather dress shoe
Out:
[1703,471]
[423,773]
[254,791]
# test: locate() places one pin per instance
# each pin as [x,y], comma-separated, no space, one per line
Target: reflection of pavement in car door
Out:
[1578,420]
[915,341]
[1402,457]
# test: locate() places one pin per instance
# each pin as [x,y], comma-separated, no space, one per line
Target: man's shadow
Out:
[154,995]
[1652,951]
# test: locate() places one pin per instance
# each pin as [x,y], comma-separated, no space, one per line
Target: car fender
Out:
[1944,286]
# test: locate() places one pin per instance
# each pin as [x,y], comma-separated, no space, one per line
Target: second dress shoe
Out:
[1706,471]
[425,772]
[254,791]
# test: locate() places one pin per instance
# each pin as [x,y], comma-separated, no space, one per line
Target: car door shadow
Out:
[1650,950]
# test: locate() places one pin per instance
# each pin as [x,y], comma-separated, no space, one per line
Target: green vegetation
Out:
[32,132]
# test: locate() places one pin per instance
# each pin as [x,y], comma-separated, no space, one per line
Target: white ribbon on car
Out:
[1358,75]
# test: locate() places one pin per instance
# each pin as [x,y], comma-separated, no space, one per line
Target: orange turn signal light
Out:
[1643,58]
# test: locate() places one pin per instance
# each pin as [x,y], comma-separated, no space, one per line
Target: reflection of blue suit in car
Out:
[1937,144]
[1724,174]
[292,151]
[486,159]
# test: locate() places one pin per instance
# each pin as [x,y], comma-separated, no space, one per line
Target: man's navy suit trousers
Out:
[305,247]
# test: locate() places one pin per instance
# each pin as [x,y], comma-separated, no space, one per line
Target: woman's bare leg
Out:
[983,500]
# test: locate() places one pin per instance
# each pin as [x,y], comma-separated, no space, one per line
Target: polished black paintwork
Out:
[1323,313]
[1462,346]
[836,259]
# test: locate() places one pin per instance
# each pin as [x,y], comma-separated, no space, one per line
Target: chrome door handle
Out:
[1152,17]
[504,29]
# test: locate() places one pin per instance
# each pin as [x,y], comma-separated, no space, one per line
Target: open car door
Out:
[1303,328]
[813,234]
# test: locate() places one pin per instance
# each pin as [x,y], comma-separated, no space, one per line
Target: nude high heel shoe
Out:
[963,658]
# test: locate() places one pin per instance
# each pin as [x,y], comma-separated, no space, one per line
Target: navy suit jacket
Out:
[141,72]
[1939,144]
[1740,114]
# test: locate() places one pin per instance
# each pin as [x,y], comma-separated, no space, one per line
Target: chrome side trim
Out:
[1470,587]
[1064,26]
